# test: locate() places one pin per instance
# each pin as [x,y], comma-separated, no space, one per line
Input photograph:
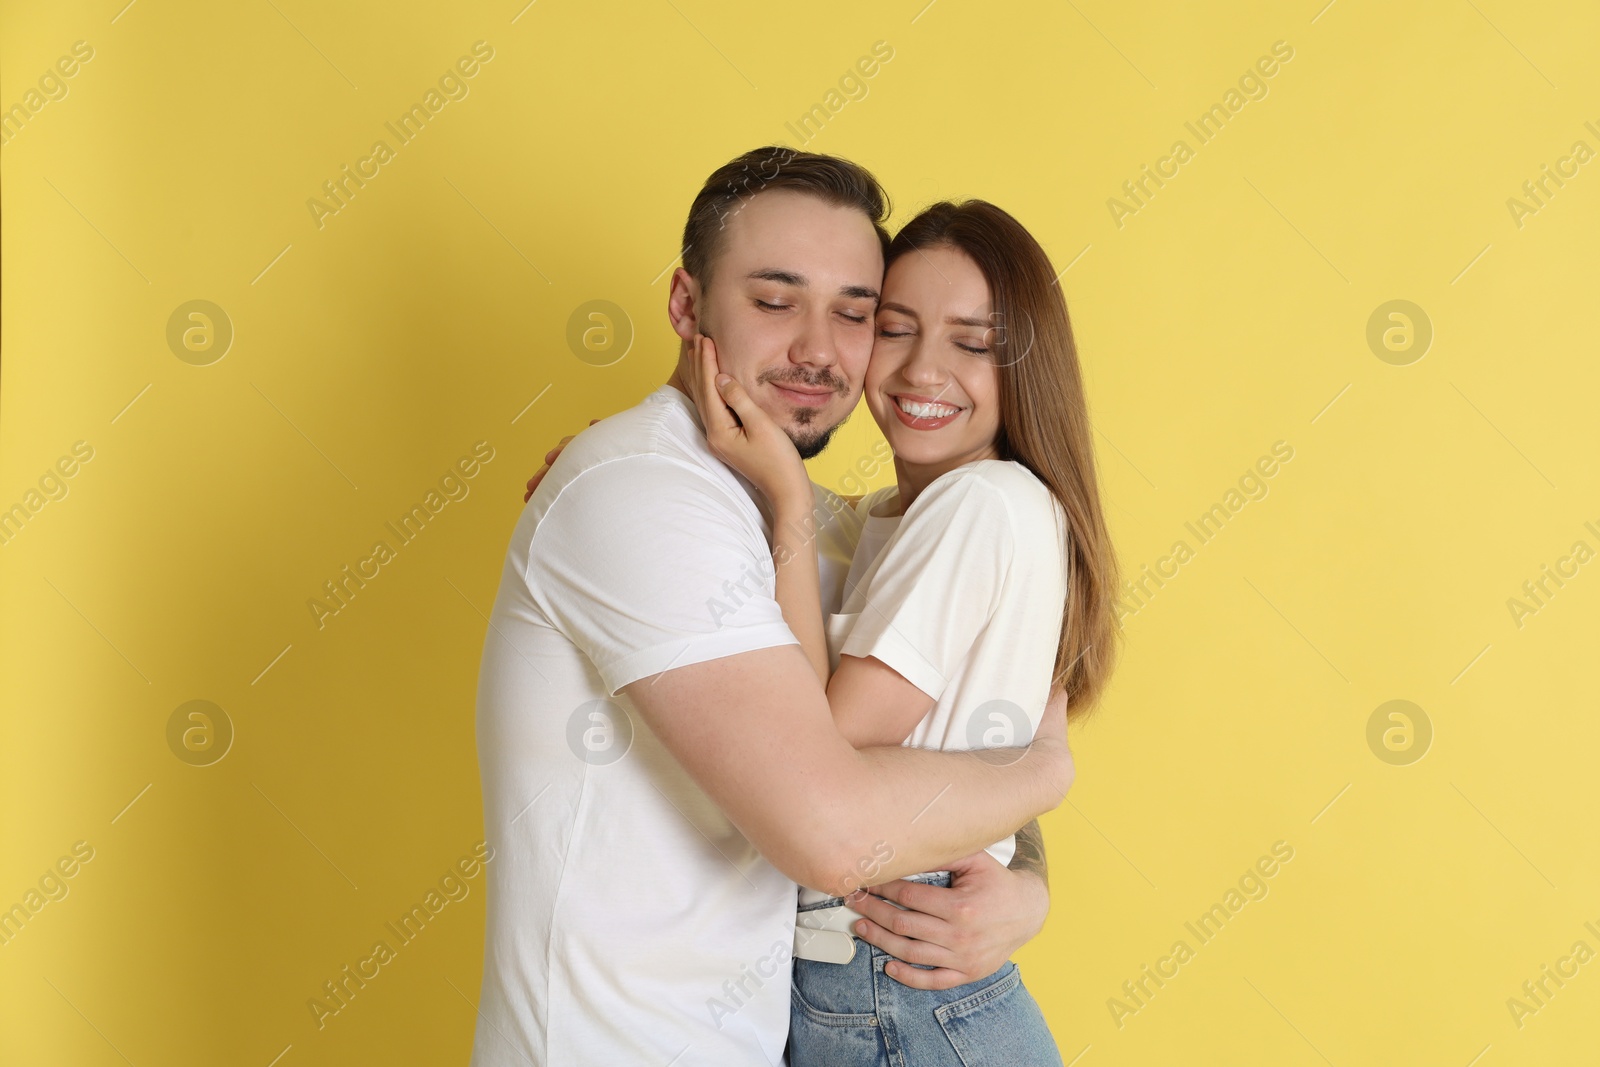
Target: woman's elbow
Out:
[868,732]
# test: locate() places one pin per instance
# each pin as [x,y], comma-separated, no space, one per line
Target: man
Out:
[660,766]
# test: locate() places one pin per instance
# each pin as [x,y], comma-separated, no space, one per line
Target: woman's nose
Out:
[923,368]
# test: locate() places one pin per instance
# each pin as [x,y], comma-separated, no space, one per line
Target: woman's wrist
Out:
[794,504]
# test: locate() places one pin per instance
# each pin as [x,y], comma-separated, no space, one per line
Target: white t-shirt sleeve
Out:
[938,582]
[648,565]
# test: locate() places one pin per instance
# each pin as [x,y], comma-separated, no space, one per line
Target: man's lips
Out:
[808,396]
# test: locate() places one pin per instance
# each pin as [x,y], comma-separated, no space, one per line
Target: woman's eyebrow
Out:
[950,320]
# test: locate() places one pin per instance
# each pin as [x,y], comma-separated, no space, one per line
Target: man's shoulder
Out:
[659,425]
[828,501]
[870,502]
[654,446]
[835,518]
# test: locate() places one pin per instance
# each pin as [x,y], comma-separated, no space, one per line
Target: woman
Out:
[983,578]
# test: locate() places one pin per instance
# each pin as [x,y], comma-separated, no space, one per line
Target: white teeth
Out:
[933,410]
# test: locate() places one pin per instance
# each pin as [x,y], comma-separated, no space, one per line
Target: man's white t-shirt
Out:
[629,922]
[963,595]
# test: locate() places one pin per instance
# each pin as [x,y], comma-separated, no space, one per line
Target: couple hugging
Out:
[794,825]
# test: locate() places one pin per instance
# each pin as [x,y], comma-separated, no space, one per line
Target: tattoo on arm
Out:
[1030,852]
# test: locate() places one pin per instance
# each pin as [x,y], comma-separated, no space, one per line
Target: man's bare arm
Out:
[968,931]
[1029,855]
[755,732]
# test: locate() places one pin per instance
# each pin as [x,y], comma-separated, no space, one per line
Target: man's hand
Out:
[965,932]
[549,458]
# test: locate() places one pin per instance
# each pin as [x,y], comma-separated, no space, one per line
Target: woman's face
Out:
[932,385]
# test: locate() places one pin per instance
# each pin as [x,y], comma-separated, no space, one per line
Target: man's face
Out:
[791,308]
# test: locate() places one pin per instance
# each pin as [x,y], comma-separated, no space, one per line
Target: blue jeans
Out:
[854,1015]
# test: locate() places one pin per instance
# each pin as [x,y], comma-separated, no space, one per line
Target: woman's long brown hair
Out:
[1044,419]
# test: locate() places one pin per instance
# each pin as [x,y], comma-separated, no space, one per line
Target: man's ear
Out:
[684,304]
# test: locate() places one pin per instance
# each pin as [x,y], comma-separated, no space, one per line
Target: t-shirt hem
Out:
[697,648]
[898,654]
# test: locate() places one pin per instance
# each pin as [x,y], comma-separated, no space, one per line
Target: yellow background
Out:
[1229,313]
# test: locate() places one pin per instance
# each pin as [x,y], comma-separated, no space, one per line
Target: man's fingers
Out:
[934,900]
[902,948]
[917,978]
[915,924]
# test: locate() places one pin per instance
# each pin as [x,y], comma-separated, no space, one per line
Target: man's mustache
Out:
[825,378]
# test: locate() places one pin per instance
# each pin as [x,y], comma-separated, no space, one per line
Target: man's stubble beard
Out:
[811,444]
[808,441]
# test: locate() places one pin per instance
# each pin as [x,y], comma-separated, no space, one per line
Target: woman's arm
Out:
[798,582]
[749,441]
[932,592]
[873,704]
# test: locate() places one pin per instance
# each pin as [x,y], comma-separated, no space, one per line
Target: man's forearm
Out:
[922,809]
[1029,855]
[830,816]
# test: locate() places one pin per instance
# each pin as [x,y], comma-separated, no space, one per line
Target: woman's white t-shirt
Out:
[962,596]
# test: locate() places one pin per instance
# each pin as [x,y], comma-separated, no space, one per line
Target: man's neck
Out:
[679,378]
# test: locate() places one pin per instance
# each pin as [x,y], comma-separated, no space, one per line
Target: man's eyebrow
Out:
[799,281]
[782,277]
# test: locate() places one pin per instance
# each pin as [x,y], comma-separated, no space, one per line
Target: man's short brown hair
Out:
[730,186]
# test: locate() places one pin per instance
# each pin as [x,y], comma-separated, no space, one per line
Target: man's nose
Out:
[814,344]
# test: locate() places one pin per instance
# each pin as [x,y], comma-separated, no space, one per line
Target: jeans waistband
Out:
[939,878]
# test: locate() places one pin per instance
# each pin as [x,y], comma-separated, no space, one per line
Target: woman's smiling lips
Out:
[922,412]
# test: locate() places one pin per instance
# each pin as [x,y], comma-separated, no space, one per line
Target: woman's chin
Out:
[917,447]
[921,453]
